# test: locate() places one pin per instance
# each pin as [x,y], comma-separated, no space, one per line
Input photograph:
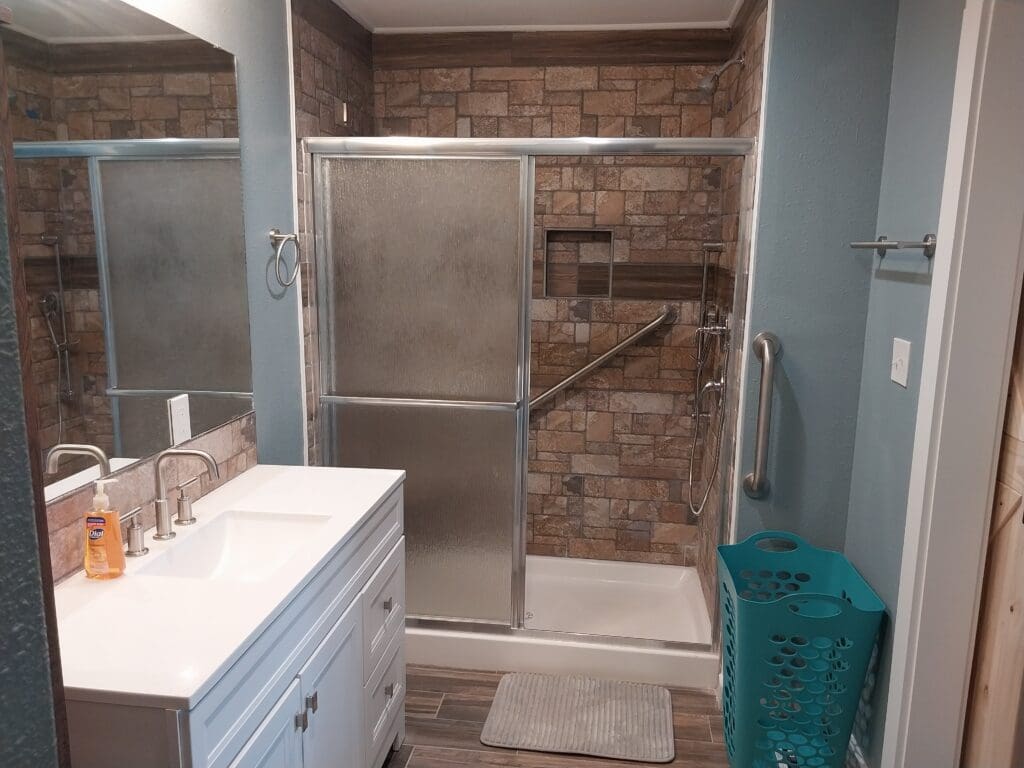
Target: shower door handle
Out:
[767,348]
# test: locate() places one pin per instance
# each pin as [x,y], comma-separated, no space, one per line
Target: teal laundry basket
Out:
[798,628]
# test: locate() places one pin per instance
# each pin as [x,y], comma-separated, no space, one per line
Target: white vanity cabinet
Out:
[276,743]
[321,685]
[332,689]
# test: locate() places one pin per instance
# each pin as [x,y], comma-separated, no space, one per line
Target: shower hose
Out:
[702,357]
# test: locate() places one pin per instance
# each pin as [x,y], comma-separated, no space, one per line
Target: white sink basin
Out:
[236,546]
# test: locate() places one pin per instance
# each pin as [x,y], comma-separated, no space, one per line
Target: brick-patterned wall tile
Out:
[643,100]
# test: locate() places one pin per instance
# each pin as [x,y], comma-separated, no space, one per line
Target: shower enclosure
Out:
[444,268]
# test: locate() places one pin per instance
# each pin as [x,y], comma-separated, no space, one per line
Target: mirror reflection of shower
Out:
[712,352]
[55,315]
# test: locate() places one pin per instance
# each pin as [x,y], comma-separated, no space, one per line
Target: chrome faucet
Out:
[163,513]
[76,449]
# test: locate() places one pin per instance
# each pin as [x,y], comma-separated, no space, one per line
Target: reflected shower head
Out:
[710,81]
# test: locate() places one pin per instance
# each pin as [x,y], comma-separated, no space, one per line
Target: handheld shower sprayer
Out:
[55,314]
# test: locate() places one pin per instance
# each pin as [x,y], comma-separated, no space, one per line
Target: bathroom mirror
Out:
[133,249]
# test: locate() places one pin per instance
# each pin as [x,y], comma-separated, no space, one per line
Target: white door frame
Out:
[972,316]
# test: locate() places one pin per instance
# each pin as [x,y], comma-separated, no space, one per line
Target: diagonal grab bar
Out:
[667,314]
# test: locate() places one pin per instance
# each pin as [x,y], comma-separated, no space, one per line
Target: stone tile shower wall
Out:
[648,100]
[609,458]
[54,199]
[136,105]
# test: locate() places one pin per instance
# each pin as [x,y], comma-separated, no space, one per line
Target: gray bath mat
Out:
[581,716]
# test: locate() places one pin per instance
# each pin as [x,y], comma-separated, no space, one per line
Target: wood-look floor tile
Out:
[691,727]
[454,705]
[457,706]
[694,702]
[454,734]
[452,681]
[399,759]
[442,757]
[699,754]
[689,754]
[422,703]
[717,728]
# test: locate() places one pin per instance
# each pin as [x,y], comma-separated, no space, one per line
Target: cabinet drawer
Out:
[384,696]
[383,608]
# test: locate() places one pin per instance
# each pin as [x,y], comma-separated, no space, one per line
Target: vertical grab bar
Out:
[767,348]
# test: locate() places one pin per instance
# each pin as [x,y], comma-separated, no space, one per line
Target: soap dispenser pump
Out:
[104,548]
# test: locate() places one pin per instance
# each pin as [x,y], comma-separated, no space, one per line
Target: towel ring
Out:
[279,241]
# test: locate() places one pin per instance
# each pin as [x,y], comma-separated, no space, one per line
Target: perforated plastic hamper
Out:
[798,628]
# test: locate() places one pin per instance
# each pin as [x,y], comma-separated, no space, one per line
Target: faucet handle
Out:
[136,535]
[185,516]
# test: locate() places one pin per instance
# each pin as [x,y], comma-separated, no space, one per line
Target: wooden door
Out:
[994,708]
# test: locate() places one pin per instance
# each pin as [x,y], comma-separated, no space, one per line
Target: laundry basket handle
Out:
[776,542]
[815,605]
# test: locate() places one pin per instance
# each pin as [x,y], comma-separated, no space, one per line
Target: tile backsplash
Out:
[233,445]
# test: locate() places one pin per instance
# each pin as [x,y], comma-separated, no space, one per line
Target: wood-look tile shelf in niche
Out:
[578,263]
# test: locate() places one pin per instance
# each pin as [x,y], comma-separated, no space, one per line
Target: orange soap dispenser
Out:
[104,548]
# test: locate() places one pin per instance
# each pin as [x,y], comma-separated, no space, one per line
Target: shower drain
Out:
[529,615]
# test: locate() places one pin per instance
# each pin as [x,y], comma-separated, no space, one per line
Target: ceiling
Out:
[403,16]
[87,21]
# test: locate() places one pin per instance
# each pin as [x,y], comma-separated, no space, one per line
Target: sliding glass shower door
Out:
[422,268]
[155,229]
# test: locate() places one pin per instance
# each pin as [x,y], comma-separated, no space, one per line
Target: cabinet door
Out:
[332,692]
[277,742]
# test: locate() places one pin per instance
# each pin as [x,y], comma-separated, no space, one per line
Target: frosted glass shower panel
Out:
[422,267]
[423,276]
[460,468]
[173,246]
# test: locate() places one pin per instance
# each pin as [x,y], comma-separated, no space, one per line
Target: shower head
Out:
[710,81]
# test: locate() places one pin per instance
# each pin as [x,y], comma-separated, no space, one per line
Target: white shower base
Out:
[600,597]
[579,609]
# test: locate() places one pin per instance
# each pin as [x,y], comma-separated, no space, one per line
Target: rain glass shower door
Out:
[421,291]
[174,293]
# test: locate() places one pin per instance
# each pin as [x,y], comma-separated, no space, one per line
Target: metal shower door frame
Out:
[95,151]
[527,150]
[320,150]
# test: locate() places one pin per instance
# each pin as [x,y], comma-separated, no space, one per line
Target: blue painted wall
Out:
[27,730]
[927,39]
[828,73]
[924,67]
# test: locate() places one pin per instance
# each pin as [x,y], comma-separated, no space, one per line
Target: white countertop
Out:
[165,641]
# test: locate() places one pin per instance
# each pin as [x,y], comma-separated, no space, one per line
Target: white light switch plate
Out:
[899,370]
[179,419]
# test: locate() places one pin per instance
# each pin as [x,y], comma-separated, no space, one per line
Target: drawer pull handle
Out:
[389,604]
[302,721]
[312,702]
[389,690]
